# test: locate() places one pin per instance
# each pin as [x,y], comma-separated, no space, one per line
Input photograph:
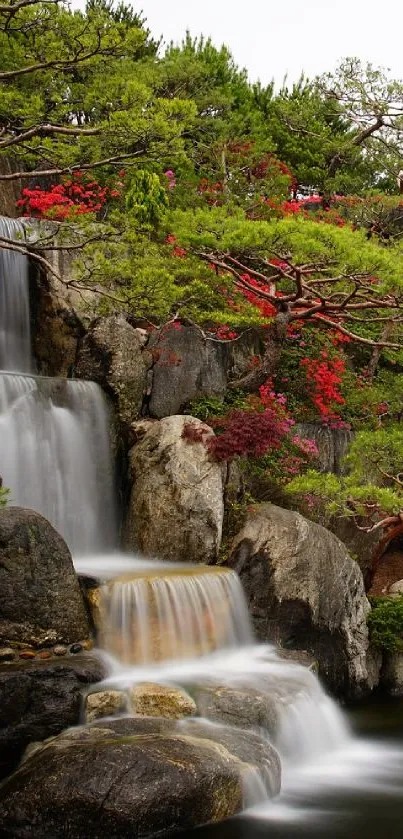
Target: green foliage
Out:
[80,82]
[208,407]
[385,623]
[303,239]
[322,493]
[371,489]
[146,198]
[4,494]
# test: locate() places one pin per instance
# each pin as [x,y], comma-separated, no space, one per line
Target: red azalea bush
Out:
[324,378]
[73,197]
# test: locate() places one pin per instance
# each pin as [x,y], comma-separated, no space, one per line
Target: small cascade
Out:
[55,456]
[188,626]
[15,337]
[173,612]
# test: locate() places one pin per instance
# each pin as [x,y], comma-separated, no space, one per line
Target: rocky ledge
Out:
[38,699]
[135,777]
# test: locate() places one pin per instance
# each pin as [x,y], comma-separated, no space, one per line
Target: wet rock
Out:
[59,650]
[176,506]
[94,600]
[76,648]
[134,777]
[105,703]
[305,592]
[299,657]
[243,706]
[44,654]
[112,354]
[154,700]
[28,654]
[7,654]
[41,601]
[38,699]
[392,674]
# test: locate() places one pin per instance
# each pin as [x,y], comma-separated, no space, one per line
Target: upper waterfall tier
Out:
[55,456]
[15,337]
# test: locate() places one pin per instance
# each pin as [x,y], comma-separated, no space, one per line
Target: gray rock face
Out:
[392,674]
[39,699]
[176,507]
[360,544]
[332,445]
[112,354]
[41,600]
[305,592]
[188,366]
[133,777]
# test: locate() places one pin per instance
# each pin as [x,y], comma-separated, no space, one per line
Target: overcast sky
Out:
[272,38]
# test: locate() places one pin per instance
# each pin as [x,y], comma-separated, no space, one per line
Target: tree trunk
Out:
[269,361]
[376,355]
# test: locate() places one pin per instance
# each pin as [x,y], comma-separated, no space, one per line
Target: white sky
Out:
[272,38]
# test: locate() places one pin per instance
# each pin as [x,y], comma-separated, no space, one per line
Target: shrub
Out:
[385,623]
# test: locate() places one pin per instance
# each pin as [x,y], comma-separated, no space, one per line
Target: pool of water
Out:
[356,791]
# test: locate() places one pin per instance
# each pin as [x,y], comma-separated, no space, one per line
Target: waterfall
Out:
[55,456]
[15,337]
[55,453]
[173,613]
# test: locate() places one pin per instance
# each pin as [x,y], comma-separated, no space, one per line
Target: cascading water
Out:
[55,453]
[55,456]
[15,338]
[320,757]
[173,613]
[171,624]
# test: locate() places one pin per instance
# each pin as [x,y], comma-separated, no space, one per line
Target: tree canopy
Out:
[173,180]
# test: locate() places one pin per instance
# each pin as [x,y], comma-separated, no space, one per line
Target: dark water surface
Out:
[354,794]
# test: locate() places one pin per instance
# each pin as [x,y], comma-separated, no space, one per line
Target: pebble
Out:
[87,644]
[76,648]
[7,654]
[59,650]
[45,654]
[28,654]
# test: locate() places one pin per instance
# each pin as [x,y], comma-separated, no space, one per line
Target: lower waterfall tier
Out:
[55,456]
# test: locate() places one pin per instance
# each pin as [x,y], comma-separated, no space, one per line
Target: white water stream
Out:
[15,334]
[55,454]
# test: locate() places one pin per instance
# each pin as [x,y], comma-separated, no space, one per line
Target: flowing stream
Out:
[55,454]
[175,624]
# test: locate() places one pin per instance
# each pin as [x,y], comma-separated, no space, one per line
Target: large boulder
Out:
[39,699]
[134,777]
[176,506]
[305,592]
[189,365]
[41,601]
[112,353]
